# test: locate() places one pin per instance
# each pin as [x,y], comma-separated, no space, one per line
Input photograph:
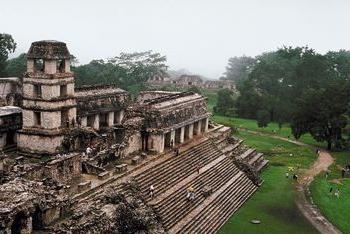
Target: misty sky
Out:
[197,35]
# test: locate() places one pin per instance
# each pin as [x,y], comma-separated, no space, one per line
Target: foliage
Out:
[225,103]
[288,82]
[238,68]
[263,118]
[7,46]
[129,71]
[194,89]
[322,113]
[17,66]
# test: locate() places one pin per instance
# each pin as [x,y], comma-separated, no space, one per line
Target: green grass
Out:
[272,128]
[336,210]
[273,203]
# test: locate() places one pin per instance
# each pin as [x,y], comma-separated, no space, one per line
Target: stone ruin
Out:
[76,160]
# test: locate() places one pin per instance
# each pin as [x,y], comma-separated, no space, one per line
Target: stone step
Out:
[262,165]
[246,154]
[173,210]
[213,215]
[225,209]
[172,161]
[172,179]
[210,200]
[182,166]
[255,158]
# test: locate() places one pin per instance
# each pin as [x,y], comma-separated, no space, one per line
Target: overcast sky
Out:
[197,35]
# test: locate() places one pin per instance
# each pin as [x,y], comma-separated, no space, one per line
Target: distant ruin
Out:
[83,159]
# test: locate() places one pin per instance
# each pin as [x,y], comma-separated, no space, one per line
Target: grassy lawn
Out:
[272,128]
[273,203]
[336,210]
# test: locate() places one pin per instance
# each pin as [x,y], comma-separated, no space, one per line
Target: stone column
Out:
[206,124]
[110,119]
[172,137]
[190,131]
[199,127]
[84,121]
[97,122]
[182,135]
[27,226]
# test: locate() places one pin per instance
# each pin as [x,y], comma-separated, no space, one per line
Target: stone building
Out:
[10,91]
[106,150]
[188,81]
[49,103]
[10,123]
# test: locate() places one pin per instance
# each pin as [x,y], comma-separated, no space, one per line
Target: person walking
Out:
[151,191]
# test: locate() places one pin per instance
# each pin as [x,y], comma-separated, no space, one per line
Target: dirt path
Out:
[304,200]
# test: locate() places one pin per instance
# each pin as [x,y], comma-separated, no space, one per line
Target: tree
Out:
[322,113]
[129,71]
[194,89]
[16,66]
[238,68]
[263,118]
[7,46]
[225,103]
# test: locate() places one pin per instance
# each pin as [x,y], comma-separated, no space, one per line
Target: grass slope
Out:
[273,203]
[336,210]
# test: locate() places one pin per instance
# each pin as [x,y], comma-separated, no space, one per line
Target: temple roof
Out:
[48,49]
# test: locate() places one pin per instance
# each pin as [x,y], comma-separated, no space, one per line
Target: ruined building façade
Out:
[82,159]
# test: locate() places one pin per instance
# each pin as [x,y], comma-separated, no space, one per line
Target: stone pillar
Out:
[199,127]
[84,121]
[190,131]
[27,226]
[97,122]
[157,142]
[121,116]
[110,119]
[172,137]
[50,66]
[182,135]
[206,125]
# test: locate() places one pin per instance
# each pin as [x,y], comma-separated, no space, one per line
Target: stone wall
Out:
[36,143]
[149,95]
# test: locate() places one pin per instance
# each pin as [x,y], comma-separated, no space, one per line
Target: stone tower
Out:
[49,104]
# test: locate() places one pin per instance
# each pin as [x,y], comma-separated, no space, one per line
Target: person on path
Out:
[171,143]
[177,152]
[327,174]
[343,172]
[151,191]
[287,175]
[198,169]
[190,193]
[336,193]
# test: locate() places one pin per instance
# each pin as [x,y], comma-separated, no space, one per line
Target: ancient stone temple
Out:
[49,104]
[83,160]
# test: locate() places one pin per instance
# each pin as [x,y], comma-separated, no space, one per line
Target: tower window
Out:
[39,65]
[61,64]
[37,91]
[37,118]
[64,118]
[63,90]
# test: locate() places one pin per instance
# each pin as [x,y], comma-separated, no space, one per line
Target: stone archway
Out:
[21,224]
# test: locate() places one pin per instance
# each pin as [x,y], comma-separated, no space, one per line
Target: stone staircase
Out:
[230,187]
[166,175]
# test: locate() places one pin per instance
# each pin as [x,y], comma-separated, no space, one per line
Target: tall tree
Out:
[238,68]
[322,113]
[7,46]
[16,66]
